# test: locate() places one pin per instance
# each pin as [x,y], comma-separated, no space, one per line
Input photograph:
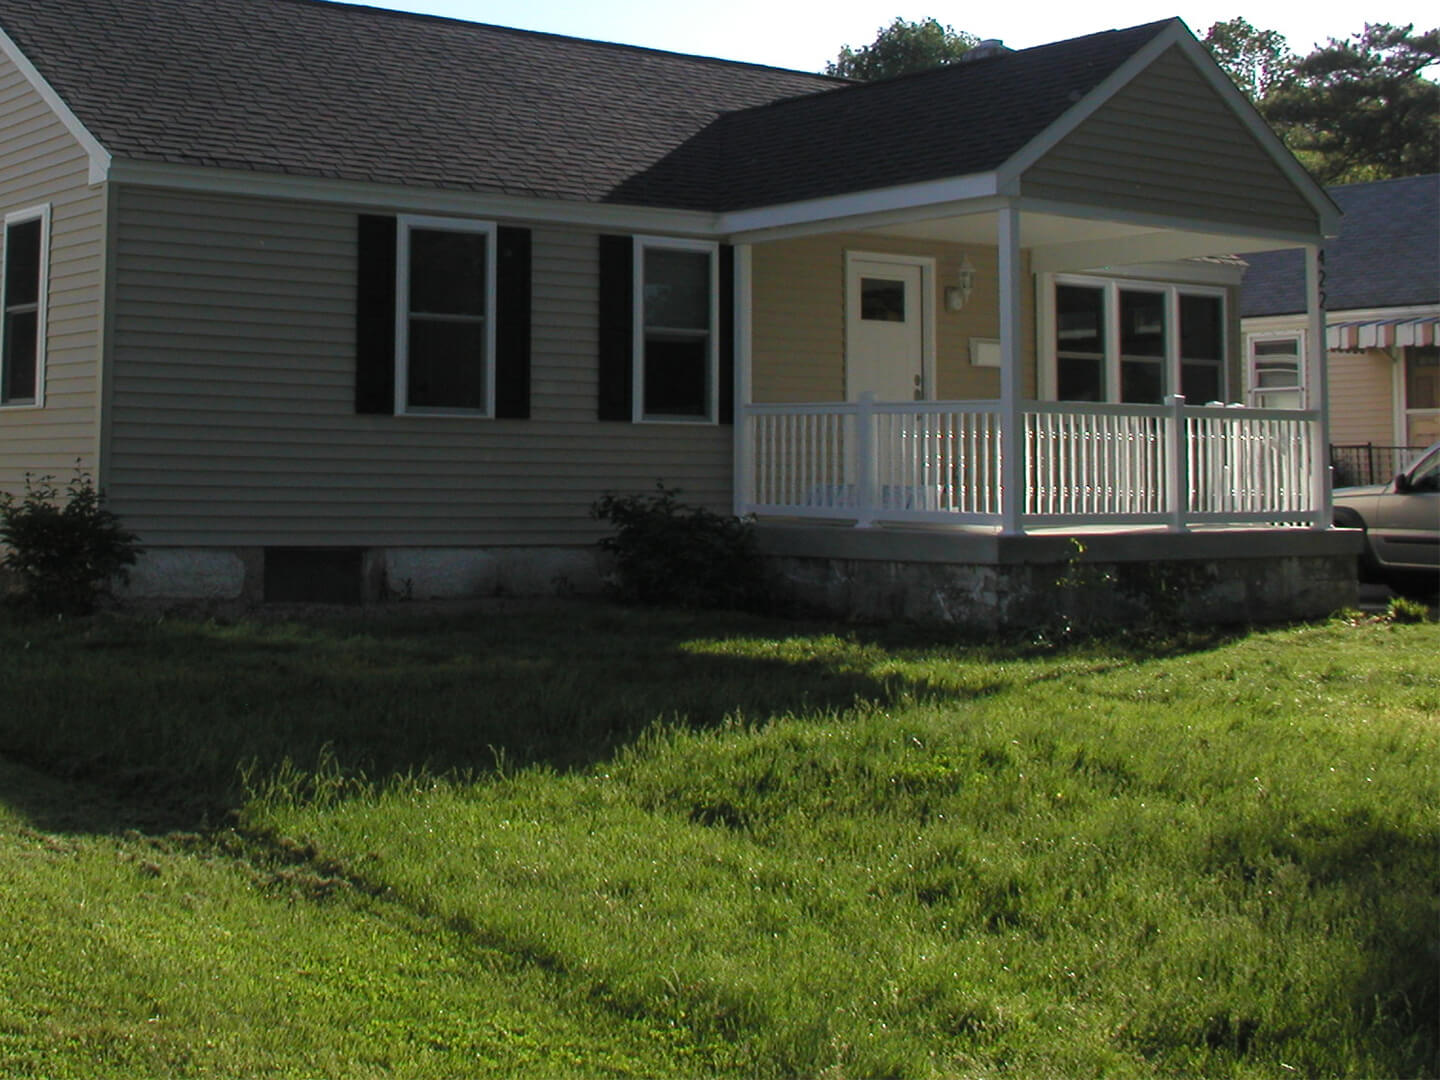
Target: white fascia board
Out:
[862,209]
[402,199]
[1230,238]
[99,156]
[1178,34]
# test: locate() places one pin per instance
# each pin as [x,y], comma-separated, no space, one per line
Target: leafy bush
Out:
[668,553]
[1403,609]
[64,551]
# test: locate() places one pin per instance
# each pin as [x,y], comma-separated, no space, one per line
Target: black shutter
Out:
[726,413]
[617,333]
[375,316]
[512,325]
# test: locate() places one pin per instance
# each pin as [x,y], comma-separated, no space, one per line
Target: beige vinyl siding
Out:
[1362,397]
[233,397]
[41,163]
[798,337]
[1168,144]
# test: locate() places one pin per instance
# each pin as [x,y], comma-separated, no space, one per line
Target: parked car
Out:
[1401,520]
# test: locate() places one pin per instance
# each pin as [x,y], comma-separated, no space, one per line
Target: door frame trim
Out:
[926,263]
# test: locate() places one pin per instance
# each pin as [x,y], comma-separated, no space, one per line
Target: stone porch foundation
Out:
[1046,581]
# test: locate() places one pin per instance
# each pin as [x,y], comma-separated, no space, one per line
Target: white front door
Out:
[885,329]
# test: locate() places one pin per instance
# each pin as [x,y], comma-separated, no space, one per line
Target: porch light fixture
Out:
[958,294]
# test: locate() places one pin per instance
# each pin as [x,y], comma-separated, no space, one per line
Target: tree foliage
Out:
[1258,60]
[1352,110]
[1360,109]
[901,48]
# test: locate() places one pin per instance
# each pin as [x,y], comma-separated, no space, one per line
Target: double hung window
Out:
[23,276]
[1136,341]
[1276,371]
[676,330]
[445,326]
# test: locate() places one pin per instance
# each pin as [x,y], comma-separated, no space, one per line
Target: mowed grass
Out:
[612,843]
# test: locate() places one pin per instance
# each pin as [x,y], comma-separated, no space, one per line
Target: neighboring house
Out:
[1382,314]
[330,294]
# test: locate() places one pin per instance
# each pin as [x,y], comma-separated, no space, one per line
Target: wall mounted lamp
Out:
[958,294]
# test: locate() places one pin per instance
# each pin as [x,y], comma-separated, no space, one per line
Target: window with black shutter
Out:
[443,318]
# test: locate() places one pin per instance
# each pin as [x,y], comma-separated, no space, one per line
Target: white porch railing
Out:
[1085,464]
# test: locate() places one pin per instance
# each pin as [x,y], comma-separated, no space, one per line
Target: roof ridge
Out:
[397,13]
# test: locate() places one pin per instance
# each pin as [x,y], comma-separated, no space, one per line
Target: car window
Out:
[1426,475]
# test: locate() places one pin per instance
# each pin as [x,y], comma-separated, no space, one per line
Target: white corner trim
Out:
[929,196]
[100,159]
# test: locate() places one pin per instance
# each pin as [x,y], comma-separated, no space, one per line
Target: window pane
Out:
[1277,375]
[1200,382]
[1141,382]
[677,289]
[1277,347]
[1079,378]
[447,272]
[446,365]
[1277,399]
[676,382]
[882,300]
[1079,321]
[1201,328]
[22,263]
[1422,377]
[21,338]
[1142,324]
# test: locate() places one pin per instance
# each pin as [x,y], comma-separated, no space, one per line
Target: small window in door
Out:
[882,300]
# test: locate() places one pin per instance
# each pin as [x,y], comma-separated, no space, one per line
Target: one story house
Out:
[1382,326]
[336,300]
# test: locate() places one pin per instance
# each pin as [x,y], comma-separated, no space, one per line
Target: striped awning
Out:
[1382,333]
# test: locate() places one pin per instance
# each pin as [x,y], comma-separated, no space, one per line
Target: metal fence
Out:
[1366,463]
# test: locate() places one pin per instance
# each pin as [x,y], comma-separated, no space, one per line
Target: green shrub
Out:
[668,553]
[1403,609]
[63,549]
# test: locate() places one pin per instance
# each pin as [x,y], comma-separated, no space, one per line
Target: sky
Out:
[802,36]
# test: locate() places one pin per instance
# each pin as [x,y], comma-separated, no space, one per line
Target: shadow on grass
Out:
[172,716]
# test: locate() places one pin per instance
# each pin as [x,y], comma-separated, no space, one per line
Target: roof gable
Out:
[1172,142]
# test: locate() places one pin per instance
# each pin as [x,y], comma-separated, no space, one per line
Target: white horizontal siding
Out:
[233,397]
[42,164]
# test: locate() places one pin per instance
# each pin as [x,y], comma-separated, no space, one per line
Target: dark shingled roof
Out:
[312,88]
[968,118]
[1387,254]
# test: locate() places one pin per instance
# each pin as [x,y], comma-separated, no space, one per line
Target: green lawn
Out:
[612,843]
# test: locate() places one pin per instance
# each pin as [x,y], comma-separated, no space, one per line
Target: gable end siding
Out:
[1168,144]
[42,163]
[234,397]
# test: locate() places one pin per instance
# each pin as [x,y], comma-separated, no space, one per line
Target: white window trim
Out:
[42,317]
[637,322]
[1173,291]
[404,225]
[1252,388]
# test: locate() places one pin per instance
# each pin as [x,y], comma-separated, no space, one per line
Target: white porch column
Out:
[1317,388]
[743,481]
[1011,419]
